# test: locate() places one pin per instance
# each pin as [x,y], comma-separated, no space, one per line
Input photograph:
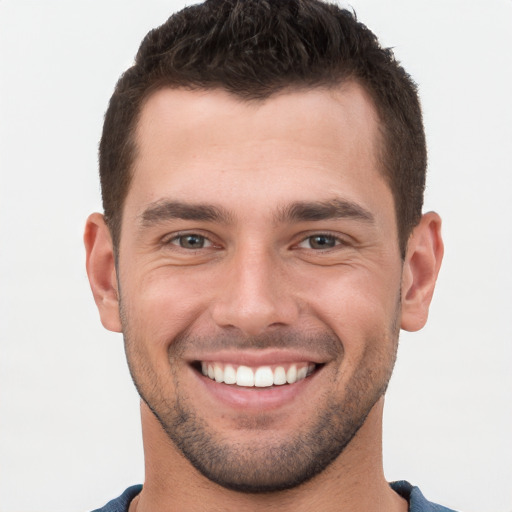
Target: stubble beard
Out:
[274,464]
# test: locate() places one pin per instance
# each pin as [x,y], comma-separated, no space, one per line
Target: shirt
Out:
[417,502]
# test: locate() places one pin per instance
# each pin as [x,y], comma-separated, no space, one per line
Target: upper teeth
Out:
[261,377]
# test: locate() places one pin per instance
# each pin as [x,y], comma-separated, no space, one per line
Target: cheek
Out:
[161,304]
[357,304]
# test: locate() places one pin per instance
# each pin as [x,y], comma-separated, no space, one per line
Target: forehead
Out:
[296,145]
[335,116]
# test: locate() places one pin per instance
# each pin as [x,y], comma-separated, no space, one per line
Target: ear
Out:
[422,262]
[101,271]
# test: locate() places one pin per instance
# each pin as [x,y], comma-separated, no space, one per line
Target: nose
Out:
[256,293]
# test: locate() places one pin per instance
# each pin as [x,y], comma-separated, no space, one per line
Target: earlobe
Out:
[101,270]
[422,262]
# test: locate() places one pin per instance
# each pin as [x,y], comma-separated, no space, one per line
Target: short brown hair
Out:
[256,48]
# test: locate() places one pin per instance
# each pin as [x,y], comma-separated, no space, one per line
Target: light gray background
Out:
[69,428]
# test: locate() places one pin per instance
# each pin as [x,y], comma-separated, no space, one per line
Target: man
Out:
[262,168]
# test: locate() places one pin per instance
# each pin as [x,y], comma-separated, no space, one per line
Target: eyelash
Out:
[175,241]
[331,237]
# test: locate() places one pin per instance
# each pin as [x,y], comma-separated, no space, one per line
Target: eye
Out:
[319,242]
[191,241]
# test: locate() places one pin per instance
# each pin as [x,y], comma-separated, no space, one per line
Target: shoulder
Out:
[417,502]
[122,503]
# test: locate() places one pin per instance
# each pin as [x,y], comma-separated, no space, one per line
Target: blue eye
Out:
[191,241]
[319,242]
[322,242]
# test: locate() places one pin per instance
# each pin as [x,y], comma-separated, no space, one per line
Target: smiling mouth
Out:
[260,377]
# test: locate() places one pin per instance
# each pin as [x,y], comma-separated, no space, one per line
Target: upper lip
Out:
[254,358]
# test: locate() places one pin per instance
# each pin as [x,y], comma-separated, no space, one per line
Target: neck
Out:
[353,482]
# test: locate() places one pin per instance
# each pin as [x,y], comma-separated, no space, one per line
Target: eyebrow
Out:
[323,210]
[162,211]
[298,211]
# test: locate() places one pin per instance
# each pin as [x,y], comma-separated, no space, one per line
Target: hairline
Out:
[381,134]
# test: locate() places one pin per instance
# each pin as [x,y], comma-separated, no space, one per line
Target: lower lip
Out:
[259,399]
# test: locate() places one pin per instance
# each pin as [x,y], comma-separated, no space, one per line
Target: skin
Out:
[260,286]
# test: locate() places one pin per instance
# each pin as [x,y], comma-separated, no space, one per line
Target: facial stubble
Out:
[272,464]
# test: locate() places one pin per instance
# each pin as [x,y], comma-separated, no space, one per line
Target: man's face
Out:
[259,245]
